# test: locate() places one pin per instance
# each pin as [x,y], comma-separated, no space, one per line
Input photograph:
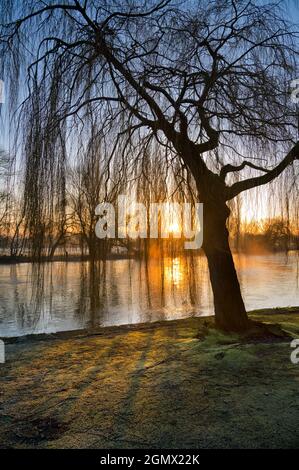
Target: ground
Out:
[163,385]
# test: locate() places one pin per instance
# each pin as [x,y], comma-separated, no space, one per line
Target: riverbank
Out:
[163,385]
[7,259]
[63,258]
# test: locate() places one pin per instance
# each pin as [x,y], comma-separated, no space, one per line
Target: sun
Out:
[174,228]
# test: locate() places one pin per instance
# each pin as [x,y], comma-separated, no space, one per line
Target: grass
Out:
[163,385]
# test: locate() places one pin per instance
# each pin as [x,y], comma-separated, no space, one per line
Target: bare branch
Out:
[231,168]
[250,183]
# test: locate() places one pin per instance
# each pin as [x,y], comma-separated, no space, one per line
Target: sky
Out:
[294,9]
[291,5]
[259,210]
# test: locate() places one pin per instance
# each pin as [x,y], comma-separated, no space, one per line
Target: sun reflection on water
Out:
[174,271]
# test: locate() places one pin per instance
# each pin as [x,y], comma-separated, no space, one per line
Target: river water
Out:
[67,296]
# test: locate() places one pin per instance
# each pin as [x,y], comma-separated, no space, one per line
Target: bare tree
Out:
[4,165]
[209,81]
[90,182]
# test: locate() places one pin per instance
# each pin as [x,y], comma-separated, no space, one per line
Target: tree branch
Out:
[22,20]
[250,183]
[121,14]
[231,168]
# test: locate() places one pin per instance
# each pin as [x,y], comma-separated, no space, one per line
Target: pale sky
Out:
[256,210]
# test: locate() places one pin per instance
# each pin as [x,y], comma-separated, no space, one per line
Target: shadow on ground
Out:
[165,385]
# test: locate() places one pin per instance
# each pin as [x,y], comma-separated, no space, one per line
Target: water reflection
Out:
[65,296]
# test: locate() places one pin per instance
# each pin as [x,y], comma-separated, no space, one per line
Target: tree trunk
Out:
[230,313]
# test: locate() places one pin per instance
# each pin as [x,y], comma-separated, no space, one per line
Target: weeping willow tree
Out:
[208,81]
[90,181]
[4,166]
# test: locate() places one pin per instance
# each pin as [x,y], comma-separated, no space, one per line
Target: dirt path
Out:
[175,384]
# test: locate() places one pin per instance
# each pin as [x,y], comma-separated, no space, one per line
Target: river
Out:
[64,296]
